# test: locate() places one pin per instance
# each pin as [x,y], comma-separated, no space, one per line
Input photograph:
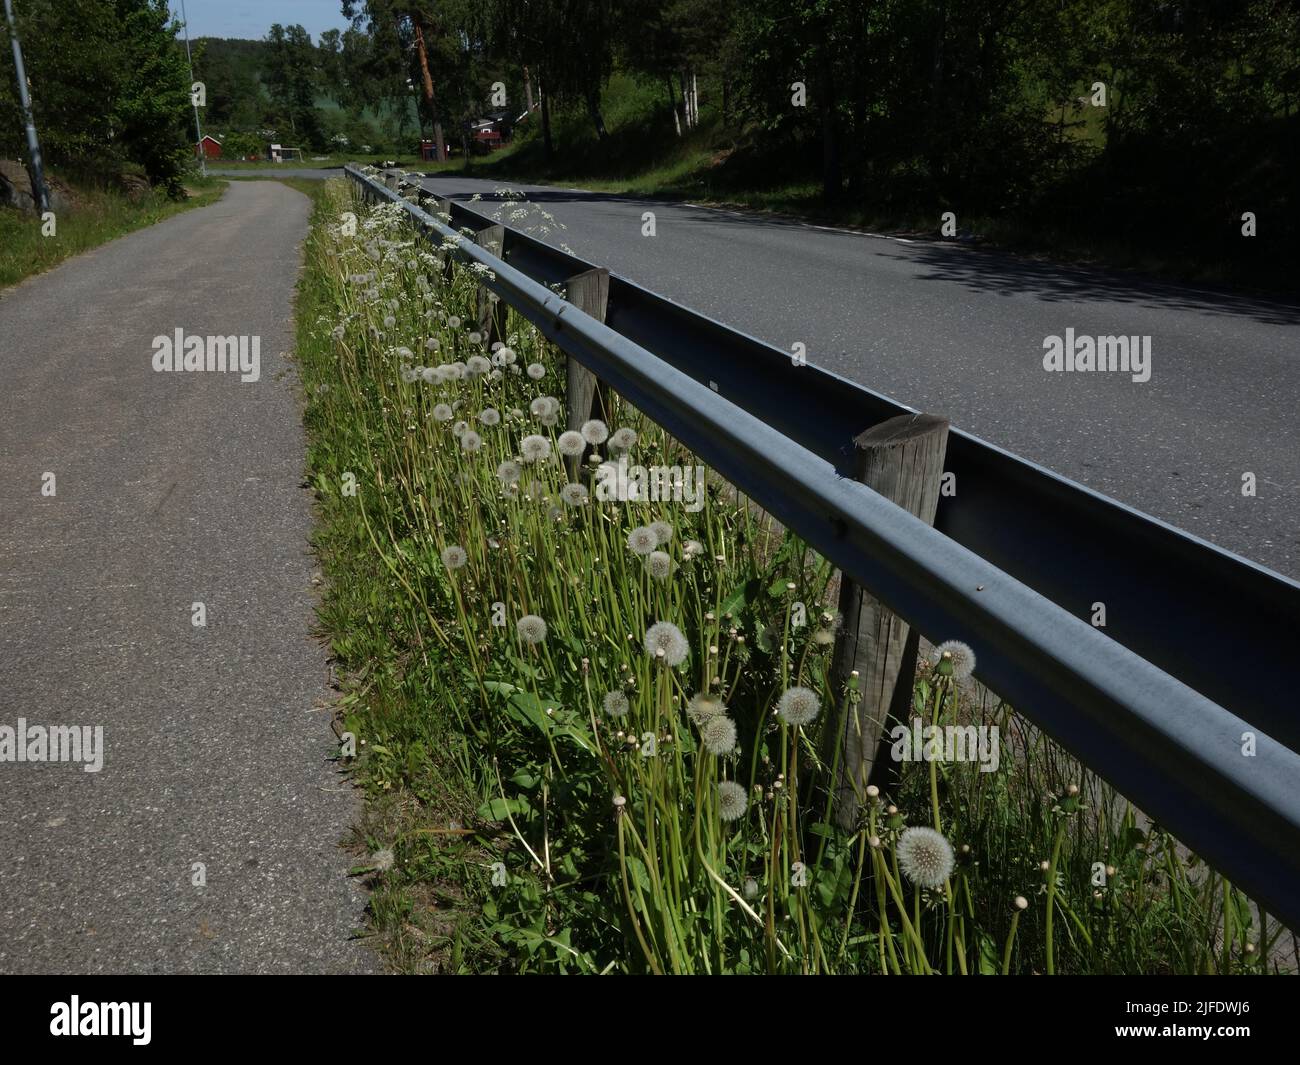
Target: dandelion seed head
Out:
[454,557]
[509,472]
[692,549]
[663,637]
[428,374]
[615,704]
[534,448]
[798,706]
[663,531]
[574,495]
[382,860]
[470,441]
[623,440]
[963,658]
[454,321]
[477,365]
[732,801]
[490,416]
[408,375]
[703,706]
[536,371]
[460,428]
[571,443]
[442,412]
[531,629]
[642,540]
[543,406]
[718,734]
[925,857]
[595,431]
[506,355]
[659,565]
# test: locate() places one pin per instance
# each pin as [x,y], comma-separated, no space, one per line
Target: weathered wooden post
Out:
[584,394]
[491,240]
[902,459]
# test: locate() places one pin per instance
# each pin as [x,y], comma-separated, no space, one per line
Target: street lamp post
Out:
[33,145]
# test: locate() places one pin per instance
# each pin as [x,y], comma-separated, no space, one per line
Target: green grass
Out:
[100,216]
[550,800]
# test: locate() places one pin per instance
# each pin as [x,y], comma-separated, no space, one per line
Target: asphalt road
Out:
[171,489]
[959,332]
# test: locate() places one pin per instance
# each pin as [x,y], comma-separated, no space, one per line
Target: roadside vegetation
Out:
[594,735]
[95,216]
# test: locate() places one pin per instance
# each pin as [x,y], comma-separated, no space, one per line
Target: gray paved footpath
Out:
[171,489]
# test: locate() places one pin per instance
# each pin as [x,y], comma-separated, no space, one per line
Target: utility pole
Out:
[33,145]
[198,129]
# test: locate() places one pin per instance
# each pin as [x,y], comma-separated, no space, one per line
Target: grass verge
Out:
[100,216]
[597,730]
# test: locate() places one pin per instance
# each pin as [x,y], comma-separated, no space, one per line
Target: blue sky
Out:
[251,19]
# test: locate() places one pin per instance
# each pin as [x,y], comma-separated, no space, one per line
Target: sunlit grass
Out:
[596,733]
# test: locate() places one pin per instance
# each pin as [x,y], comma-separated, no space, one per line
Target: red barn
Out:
[209,146]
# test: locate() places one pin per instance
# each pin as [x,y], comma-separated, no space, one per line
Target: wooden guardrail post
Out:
[584,394]
[902,459]
[491,240]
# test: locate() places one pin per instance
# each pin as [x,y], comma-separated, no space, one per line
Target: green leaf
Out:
[499,809]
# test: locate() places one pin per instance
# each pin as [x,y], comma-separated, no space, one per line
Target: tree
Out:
[111,85]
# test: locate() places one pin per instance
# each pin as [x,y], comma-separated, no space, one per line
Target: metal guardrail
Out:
[1163,722]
